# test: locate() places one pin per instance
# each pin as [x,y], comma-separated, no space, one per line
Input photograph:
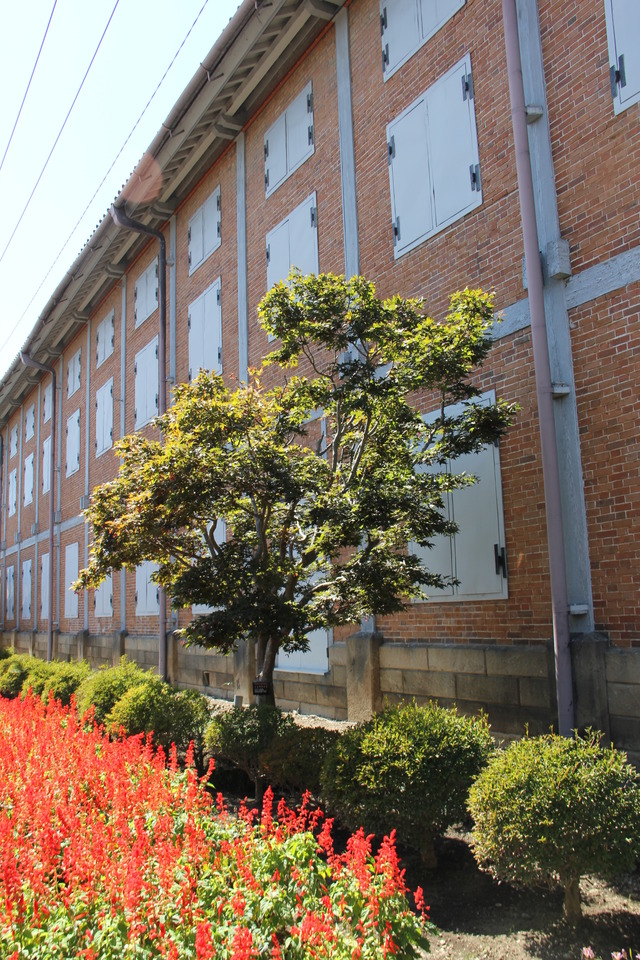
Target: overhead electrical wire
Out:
[60,131]
[111,166]
[6,149]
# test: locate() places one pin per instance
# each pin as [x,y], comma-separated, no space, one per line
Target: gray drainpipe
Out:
[122,220]
[30,362]
[550,471]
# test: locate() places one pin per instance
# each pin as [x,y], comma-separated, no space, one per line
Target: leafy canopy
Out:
[321,480]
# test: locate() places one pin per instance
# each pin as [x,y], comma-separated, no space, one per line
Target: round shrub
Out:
[103,689]
[63,679]
[409,768]
[242,735]
[294,759]
[5,653]
[552,808]
[13,673]
[36,676]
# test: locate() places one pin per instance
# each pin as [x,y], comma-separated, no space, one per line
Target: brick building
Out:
[373,136]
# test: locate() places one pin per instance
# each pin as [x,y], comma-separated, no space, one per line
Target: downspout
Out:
[550,470]
[30,362]
[122,220]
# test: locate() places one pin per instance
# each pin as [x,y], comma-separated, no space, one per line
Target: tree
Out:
[321,480]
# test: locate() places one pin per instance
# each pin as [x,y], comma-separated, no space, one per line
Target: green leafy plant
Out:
[408,768]
[5,652]
[63,680]
[13,672]
[242,735]
[294,759]
[103,689]
[555,809]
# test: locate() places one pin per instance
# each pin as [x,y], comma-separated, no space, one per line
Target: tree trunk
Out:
[266,661]
[572,908]
[428,852]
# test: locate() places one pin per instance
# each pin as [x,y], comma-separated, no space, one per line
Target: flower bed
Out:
[108,852]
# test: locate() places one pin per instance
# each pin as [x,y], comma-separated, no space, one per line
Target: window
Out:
[13,492]
[104,417]
[434,167]
[205,229]
[623,36]
[30,422]
[46,407]
[406,25]
[293,243]
[13,441]
[146,384]
[146,293]
[103,598]
[289,141]
[10,593]
[70,576]
[28,480]
[313,660]
[220,536]
[44,587]
[205,332]
[475,556]
[73,443]
[25,612]
[104,339]
[46,465]
[73,373]
[147,592]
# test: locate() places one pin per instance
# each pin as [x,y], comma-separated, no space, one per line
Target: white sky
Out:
[141,41]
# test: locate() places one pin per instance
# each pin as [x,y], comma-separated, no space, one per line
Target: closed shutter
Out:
[105,339]
[476,511]
[73,443]
[13,441]
[453,142]
[300,132]
[303,237]
[211,223]
[25,612]
[28,480]
[196,337]
[275,155]
[11,593]
[74,368]
[44,586]
[212,329]
[623,34]
[30,422]
[438,558]
[147,592]
[47,403]
[70,576]
[196,240]
[103,598]
[146,384]
[313,660]
[400,33]
[146,293]
[435,13]
[278,262]
[220,535]
[13,492]
[411,194]
[46,465]
[104,417]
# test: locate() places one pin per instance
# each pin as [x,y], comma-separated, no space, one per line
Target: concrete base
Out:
[364,697]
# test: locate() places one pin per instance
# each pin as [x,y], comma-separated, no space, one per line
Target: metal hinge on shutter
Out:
[391,150]
[314,216]
[156,401]
[220,355]
[218,202]
[467,86]
[500,556]
[219,228]
[383,21]
[385,57]
[396,231]
[474,176]
[617,76]
[268,254]
[310,135]
[266,149]
[218,296]
[266,179]
[310,102]
[189,322]
[156,351]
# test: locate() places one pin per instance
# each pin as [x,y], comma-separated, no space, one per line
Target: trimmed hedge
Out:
[103,689]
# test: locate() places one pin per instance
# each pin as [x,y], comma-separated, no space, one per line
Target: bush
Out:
[409,768]
[37,673]
[13,672]
[5,652]
[243,734]
[63,680]
[103,689]
[551,808]
[294,759]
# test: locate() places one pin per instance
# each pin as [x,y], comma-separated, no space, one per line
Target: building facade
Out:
[372,137]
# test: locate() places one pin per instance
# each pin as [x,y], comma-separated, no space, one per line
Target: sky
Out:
[136,41]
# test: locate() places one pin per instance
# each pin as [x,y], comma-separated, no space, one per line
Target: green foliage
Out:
[13,670]
[318,513]
[408,768]
[103,689]
[241,736]
[63,680]
[5,652]
[552,808]
[152,706]
[38,673]
[294,759]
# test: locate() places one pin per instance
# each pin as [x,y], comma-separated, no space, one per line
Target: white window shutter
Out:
[220,536]
[303,237]
[411,194]
[212,329]
[147,603]
[104,339]
[47,403]
[103,598]
[623,35]
[438,558]
[146,293]
[13,491]
[46,465]
[25,612]
[278,262]
[434,13]
[299,127]
[70,576]
[275,155]
[104,417]
[44,586]
[146,383]
[11,593]
[400,32]
[73,443]
[454,161]
[210,223]
[196,337]
[196,240]
[28,480]
[313,660]
[477,512]
[30,422]
[13,441]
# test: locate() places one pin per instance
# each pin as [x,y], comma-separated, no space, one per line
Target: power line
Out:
[111,166]
[6,149]
[55,143]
